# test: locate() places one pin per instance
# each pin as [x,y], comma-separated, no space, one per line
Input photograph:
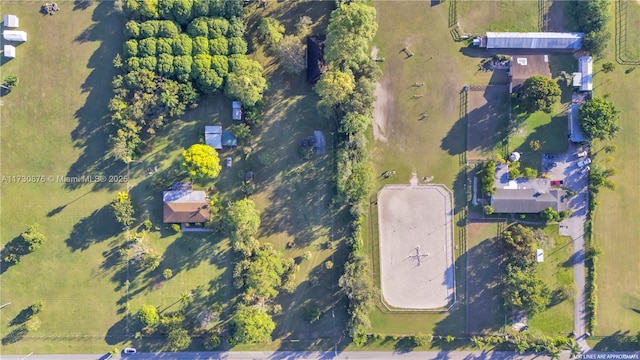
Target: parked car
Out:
[229,162]
[557,182]
[584,162]
[585,170]
[581,154]
[129,351]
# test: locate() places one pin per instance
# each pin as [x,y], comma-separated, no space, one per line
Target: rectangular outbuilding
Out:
[9,51]
[585,67]
[14,35]
[213,136]
[11,21]
[533,40]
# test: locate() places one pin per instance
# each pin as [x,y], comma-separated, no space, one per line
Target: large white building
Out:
[11,21]
[532,40]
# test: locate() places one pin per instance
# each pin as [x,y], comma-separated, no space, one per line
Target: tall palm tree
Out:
[553,352]
[575,349]
[185,298]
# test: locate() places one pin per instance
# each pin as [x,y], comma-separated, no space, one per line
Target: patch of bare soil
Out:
[382,107]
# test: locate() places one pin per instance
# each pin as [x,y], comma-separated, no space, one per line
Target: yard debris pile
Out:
[49,8]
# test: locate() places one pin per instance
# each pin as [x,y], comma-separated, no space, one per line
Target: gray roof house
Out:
[532,40]
[525,196]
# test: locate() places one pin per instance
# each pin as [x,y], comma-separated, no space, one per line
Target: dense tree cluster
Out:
[346,95]
[523,289]
[175,50]
[488,178]
[540,93]
[591,18]
[261,272]
[599,118]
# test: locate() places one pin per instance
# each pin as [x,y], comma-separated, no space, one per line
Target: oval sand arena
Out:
[416,239]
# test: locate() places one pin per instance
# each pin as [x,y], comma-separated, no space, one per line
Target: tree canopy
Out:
[599,118]
[351,28]
[540,93]
[271,31]
[246,82]
[290,53]
[201,161]
[123,209]
[526,291]
[335,86]
[148,315]
[243,220]
[519,241]
[265,271]
[178,339]
[251,326]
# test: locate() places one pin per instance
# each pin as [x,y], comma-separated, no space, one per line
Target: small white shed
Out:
[11,21]
[540,255]
[9,51]
[14,35]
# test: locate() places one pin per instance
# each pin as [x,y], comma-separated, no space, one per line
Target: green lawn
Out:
[616,217]
[477,17]
[485,268]
[78,273]
[631,49]
[556,271]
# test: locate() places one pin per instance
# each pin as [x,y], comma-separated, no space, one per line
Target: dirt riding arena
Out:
[488,116]
[416,246]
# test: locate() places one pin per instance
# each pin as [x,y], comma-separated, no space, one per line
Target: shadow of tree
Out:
[24,315]
[93,117]
[619,341]
[12,252]
[15,335]
[484,284]
[82,4]
[97,227]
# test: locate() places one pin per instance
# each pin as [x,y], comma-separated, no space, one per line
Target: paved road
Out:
[346,355]
[566,168]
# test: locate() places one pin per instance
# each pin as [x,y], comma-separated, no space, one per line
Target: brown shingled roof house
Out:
[185,206]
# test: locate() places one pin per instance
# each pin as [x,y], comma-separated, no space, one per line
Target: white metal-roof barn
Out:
[532,40]
[9,51]
[213,136]
[14,35]
[11,21]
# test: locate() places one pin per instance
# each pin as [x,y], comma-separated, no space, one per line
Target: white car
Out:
[129,351]
[585,170]
[229,162]
[584,162]
[581,154]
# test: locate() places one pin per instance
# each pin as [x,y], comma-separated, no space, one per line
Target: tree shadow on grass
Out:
[483,281]
[118,332]
[619,341]
[24,315]
[97,227]
[12,252]
[90,135]
[15,335]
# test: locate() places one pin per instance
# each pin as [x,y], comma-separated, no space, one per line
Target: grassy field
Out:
[556,271]
[477,17]
[485,270]
[78,271]
[632,31]
[616,216]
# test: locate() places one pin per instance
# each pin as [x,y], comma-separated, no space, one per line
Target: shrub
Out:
[307,255]
[487,178]
[311,313]
[530,173]
[488,209]
[328,265]
[176,227]
[167,274]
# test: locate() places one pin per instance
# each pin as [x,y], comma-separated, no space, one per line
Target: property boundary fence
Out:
[621,14]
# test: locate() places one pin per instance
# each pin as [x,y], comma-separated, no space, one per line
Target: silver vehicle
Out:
[585,170]
[584,162]
[129,351]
